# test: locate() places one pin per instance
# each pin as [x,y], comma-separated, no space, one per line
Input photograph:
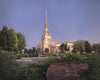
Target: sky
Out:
[68,20]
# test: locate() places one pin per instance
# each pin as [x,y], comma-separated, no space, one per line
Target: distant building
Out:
[48,44]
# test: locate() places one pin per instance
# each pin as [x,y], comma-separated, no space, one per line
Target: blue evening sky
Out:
[68,20]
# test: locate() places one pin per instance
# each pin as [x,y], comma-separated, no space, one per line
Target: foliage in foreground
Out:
[94,64]
[10,70]
[8,67]
[93,60]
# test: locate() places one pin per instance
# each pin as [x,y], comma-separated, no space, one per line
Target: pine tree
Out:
[87,47]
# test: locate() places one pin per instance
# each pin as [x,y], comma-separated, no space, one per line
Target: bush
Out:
[40,68]
[18,57]
[25,56]
[72,58]
[0,49]
[94,63]
[33,55]
[9,69]
[50,55]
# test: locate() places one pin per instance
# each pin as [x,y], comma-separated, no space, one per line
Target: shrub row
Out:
[30,55]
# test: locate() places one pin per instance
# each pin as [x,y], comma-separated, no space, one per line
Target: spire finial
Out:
[46,13]
[46,19]
[46,31]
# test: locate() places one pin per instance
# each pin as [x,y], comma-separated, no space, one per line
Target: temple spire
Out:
[46,31]
[46,26]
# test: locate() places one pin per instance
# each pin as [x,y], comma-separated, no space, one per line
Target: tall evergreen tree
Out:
[4,38]
[87,47]
[34,50]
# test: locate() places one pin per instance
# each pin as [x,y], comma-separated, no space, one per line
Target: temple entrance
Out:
[46,50]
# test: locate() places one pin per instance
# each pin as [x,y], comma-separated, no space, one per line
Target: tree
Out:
[12,40]
[0,39]
[34,50]
[30,51]
[79,46]
[38,50]
[87,47]
[25,50]
[96,48]
[4,38]
[63,48]
[74,50]
[21,41]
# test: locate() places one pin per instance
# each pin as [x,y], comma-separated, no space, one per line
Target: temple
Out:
[48,45]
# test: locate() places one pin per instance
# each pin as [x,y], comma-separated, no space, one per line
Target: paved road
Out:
[24,61]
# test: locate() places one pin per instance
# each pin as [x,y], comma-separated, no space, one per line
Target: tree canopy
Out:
[63,48]
[87,47]
[82,46]
[96,47]
[4,38]
[21,41]
[10,40]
